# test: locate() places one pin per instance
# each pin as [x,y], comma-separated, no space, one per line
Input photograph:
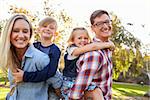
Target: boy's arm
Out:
[42,75]
[39,76]
[91,47]
[45,73]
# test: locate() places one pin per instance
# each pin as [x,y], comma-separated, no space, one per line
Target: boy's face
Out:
[48,30]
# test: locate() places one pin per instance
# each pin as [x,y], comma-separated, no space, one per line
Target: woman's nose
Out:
[20,34]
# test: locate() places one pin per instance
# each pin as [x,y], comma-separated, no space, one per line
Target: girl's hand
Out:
[111,45]
[18,76]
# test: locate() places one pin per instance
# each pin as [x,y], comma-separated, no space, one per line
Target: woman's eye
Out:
[15,30]
[25,31]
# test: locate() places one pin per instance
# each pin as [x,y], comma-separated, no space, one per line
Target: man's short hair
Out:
[97,13]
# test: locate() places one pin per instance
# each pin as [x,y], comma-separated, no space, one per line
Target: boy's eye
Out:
[44,25]
[51,27]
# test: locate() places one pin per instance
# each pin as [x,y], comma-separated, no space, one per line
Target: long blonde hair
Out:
[7,58]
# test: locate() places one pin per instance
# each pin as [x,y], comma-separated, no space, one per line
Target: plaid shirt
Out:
[94,67]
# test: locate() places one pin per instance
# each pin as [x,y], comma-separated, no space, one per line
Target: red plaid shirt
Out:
[94,67]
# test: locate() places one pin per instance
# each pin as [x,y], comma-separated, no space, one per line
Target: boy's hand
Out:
[18,76]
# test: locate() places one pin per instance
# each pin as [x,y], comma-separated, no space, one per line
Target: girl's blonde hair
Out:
[73,33]
[7,54]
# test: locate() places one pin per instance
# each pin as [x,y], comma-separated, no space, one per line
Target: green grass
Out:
[3,89]
[127,89]
[3,92]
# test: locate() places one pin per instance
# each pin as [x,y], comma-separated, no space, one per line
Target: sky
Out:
[129,11]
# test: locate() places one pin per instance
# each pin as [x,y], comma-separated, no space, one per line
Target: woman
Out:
[17,52]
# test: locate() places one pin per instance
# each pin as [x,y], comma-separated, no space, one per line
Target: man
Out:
[95,67]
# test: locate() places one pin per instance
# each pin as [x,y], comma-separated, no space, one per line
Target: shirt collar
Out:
[96,40]
[29,52]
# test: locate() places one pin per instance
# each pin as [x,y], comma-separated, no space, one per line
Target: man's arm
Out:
[86,73]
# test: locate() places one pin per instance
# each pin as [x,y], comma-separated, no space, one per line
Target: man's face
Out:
[102,27]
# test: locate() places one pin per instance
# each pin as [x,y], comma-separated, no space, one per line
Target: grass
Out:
[3,88]
[119,89]
[131,90]
[3,93]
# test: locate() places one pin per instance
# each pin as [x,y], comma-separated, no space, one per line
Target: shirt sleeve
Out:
[70,51]
[86,73]
[47,72]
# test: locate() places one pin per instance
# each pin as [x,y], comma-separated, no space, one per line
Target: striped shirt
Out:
[94,67]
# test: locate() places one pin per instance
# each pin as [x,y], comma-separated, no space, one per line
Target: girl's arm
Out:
[93,46]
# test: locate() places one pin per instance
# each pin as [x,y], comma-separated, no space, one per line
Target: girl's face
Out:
[48,30]
[20,35]
[81,38]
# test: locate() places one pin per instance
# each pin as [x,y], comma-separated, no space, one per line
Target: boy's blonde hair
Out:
[72,36]
[47,21]
[7,54]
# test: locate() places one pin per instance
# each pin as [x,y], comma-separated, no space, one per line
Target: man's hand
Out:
[18,76]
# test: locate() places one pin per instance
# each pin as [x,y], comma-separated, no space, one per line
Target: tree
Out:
[127,53]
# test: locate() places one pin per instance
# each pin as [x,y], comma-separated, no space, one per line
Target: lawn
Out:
[3,88]
[120,90]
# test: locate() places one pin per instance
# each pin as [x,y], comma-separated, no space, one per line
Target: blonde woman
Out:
[17,52]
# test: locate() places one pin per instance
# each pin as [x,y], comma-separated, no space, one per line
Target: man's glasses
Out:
[101,23]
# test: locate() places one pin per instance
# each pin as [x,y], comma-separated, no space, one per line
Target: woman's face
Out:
[20,35]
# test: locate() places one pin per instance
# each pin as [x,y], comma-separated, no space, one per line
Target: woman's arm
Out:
[91,47]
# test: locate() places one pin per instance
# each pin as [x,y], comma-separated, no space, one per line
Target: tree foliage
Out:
[127,54]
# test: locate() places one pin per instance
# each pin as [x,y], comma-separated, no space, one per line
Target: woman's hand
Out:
[18,76]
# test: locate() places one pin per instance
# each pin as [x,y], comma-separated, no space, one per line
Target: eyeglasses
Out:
[101,23]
